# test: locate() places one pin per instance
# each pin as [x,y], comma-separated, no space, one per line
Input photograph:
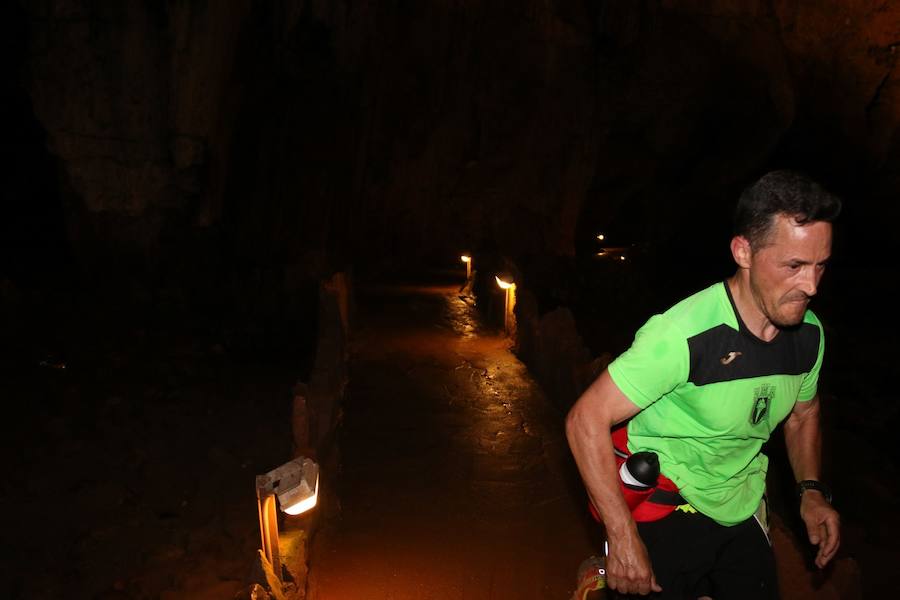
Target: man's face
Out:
[785,273]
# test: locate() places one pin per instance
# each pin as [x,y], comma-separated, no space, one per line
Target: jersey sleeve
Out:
[810,384]
[656,362]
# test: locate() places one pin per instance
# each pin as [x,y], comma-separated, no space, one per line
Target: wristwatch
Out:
[812,484]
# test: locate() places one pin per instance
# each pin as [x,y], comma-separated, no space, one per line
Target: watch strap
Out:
[813,484]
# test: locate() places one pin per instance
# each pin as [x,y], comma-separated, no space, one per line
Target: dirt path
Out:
[456,477]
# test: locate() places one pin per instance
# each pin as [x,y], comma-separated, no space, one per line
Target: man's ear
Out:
[741,251]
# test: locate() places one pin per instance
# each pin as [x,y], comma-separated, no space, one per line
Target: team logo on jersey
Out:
[762,399]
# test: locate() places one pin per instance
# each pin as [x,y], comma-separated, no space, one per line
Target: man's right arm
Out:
[588,425]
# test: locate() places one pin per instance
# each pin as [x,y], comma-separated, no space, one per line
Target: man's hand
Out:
[628,569]
[823,525]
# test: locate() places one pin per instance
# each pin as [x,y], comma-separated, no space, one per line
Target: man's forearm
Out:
[603,405]
[592,448]
[803,439]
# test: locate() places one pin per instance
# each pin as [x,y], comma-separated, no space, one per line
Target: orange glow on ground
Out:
[457,482]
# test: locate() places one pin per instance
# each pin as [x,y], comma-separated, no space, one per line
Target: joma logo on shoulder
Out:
[729,358]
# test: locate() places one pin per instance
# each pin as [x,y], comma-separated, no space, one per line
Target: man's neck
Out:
[748,309]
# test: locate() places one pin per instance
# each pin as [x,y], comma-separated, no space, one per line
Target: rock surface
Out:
[293,127]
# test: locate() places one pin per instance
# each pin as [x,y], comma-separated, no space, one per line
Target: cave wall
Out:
[298,128]
[293,135]
[134,98]
[842,87]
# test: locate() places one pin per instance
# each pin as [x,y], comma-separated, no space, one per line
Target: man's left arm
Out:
[803,438]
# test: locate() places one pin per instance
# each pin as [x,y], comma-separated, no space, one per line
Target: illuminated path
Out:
[457,482]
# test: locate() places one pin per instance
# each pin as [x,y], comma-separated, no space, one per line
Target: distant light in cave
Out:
[610,252]
[601,237]
[468,260]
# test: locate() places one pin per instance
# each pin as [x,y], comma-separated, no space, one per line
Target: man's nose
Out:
[810,280]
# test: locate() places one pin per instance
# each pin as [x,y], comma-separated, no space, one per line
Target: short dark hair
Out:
[782,192]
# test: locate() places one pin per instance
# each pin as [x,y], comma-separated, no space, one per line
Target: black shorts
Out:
[694,556]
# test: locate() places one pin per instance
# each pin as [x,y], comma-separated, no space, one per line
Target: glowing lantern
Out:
[510,288]
[296,486]
[468,260]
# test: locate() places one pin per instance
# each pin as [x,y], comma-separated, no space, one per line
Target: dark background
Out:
[182,174]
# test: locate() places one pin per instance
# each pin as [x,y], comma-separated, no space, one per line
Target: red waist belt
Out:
[648,504]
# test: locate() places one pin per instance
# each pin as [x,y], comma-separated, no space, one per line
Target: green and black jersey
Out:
[711,393]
